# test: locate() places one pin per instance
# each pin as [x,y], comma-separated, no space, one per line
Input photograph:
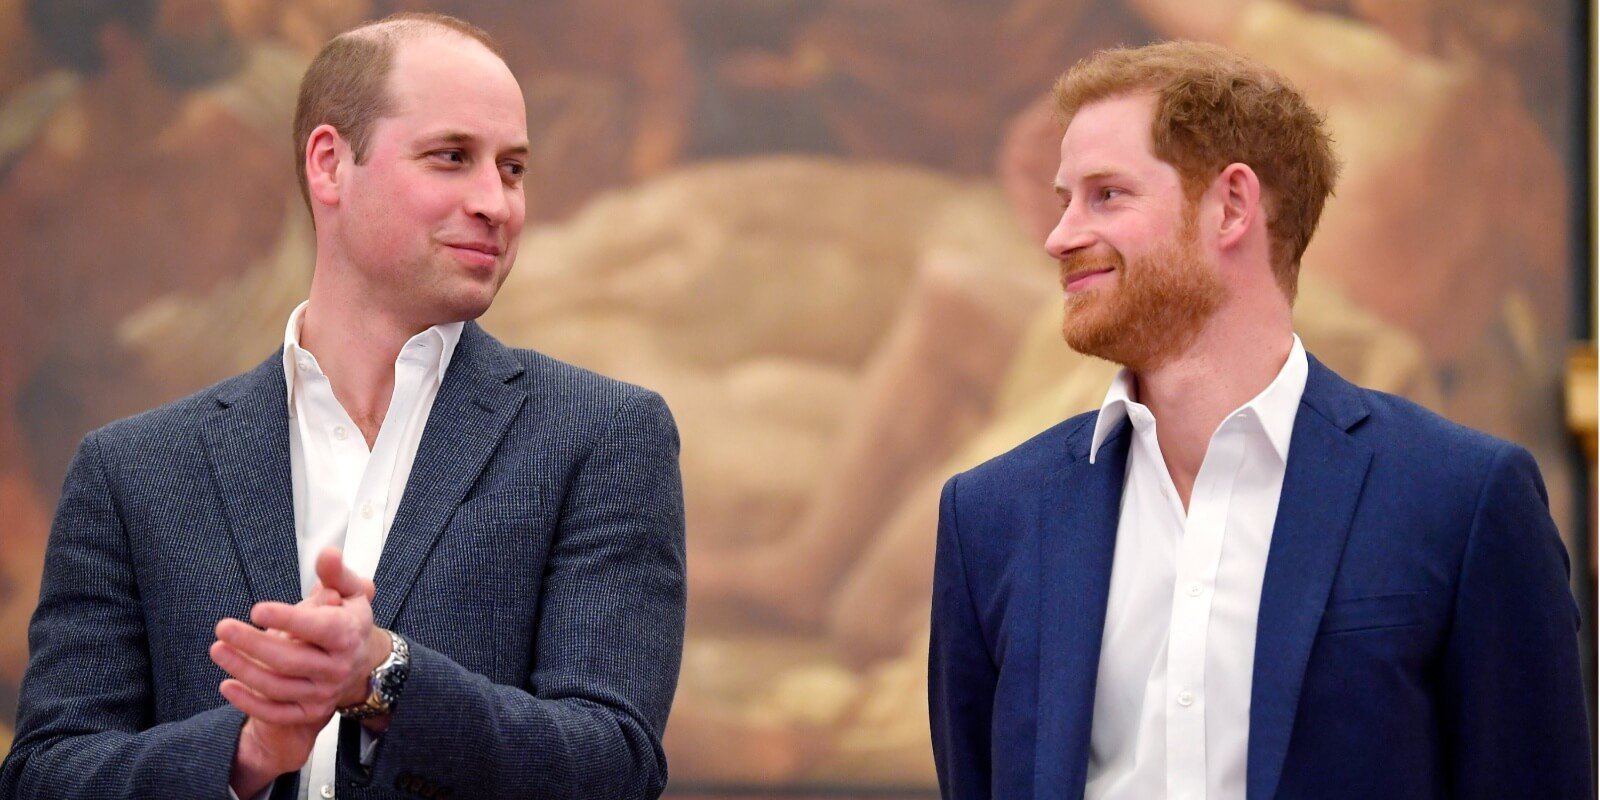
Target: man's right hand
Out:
[267,748]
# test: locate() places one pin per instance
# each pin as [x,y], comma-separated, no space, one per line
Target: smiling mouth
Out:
[486,249]
[476,256]
[1081,279]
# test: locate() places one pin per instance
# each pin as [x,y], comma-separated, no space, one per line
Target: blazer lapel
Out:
[1321,489]
[247,444]
[470,415]
[1077,538]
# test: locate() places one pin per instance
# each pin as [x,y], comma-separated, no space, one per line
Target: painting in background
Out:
[816,227]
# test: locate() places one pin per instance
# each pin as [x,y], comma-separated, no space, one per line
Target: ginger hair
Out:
[1214,108]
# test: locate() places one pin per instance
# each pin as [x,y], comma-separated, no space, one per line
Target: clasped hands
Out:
[302,664]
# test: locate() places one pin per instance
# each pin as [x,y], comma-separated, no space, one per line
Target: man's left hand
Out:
[326,658]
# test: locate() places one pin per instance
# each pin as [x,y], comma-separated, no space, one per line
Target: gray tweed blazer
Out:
[535,564]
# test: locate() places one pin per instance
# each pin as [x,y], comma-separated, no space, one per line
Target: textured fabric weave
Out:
[535,564]
[1416,638]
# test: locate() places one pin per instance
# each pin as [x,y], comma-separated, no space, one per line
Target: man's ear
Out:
[1239,190]
[325,160]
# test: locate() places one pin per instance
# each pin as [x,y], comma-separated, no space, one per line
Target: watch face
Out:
[386,682]
[395,678]
[390,682]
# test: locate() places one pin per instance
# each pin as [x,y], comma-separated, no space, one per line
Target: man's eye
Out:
[1110,193]
[452,156]
[514,169]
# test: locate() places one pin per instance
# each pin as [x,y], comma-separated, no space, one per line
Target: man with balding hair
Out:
[461,564]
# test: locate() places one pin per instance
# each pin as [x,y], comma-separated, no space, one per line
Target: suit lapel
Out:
[470,415]
[1077,538]
[247,444]
[1321,489]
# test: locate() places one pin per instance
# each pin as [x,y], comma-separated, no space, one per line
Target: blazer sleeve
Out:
[961,671]
[1513,695]
[86,706]
[607,650]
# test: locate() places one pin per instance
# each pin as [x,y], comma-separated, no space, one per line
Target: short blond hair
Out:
[1215,108]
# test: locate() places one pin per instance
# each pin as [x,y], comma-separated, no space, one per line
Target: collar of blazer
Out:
[247,443]
[1079,508]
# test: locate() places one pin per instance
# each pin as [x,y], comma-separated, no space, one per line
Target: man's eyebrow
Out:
[462,138]
[449,137]
[1102,174]
[1094,175]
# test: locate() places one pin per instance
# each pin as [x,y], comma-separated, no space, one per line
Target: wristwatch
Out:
[388,678]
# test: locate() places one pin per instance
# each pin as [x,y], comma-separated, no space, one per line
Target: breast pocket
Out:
[497,545]
[1379,612]
[503,509]
[499,539]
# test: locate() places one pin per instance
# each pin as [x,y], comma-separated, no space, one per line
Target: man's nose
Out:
[488,197]
[1069,235]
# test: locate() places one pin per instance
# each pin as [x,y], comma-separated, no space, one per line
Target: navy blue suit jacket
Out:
[1416,637]
[535,564]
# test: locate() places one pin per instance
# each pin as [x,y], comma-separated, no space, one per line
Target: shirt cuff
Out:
[369,748]
[261,795]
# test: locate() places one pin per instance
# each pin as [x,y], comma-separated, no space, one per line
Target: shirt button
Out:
[1185,698]
[366,511]
[327,791]
[1194,590]
[340,433]
[305,364]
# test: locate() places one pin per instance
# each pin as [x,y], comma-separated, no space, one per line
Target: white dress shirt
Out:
[345,495]
[1172,697]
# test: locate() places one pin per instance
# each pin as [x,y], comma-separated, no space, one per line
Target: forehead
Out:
[1110,135]
[448,80]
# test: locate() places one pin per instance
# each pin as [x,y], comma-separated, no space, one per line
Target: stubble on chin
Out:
[458,298]
[466,306]
[1151,313]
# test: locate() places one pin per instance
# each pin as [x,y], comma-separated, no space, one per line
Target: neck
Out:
[1232,360]
[356,346]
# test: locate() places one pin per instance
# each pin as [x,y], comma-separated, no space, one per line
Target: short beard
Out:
[1152,313]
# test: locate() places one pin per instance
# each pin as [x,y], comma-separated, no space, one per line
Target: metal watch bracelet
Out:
[388,679]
